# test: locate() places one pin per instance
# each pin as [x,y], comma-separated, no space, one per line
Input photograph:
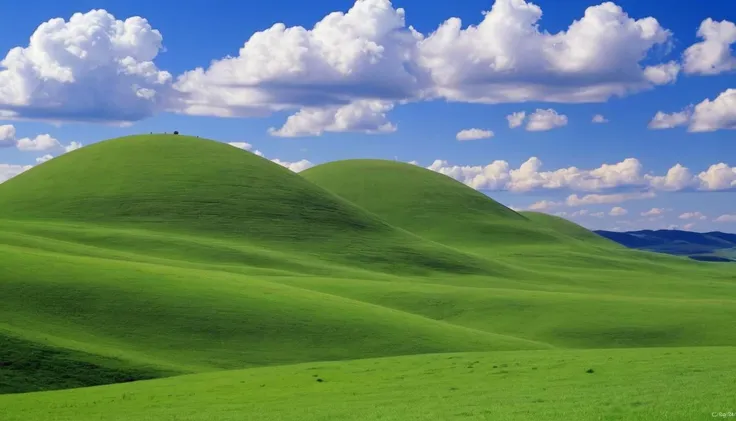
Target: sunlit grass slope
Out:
[190,185]
[436,206]
[676,384]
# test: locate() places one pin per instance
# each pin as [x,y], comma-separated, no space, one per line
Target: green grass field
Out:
[232,281]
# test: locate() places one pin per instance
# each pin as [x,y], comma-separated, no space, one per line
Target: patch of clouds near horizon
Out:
[707,116]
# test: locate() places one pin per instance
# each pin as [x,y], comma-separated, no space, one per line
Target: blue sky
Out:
[364,85]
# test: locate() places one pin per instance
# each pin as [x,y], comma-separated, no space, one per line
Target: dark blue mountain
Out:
[710,246]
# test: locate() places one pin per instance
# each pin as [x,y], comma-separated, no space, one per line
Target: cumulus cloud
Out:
[360,116]
[7,135]
[92,68]
[246,147]
[516,119]
[663,120]
[507,58]
[693,215]
[473,134]
[654,212]
[42,142]
[370,54]
[598,118]
[8,171]
[42,159]
[713,55]
[297,166]
[73,146]
[726,218]
[717,177]
[662,74]
[677,178]
[688,227]
[618,211]
[709,116]
[543,120]
[599,199]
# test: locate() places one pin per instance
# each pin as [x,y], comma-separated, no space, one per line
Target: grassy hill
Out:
[156,256]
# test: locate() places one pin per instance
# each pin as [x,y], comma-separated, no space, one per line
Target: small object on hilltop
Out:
[590,371]
[320,380]
[176,132]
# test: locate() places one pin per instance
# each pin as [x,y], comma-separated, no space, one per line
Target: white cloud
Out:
[726,218]
[654,212]
[7,136]
[8,171]
[516,119]
[717,177]
[92,67]
[360,116]
[598,214]
[663,120]
[677,178]
[618,211]
[713,55]
[693,215]
[543,205]
[370,54]
[42,142]
[42,159]
[473,134]
[688,227]
[709,116]
[295,166]
[662,74]
[246,147]
[599,199]
[73,146]
[507,58]
[543,120]
[598,118]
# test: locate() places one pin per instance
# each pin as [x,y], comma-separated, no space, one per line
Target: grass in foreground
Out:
[676,384]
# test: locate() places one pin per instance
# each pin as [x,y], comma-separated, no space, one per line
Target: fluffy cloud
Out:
[367,53]
[712,55]
[654,212]
[717,177]
[7,136]
[662,74]
[663,120]
[726,218]
[39,143]
[246,147]
[8,171]
[295,166]
[543,120]
[598,118]
[693,215]
[473,134]
[516,119]
[599,199]
[370,54]
[709,116]
[360,116]
[42,159]
[507,58]
[92,67]
[42,142]
[618,211]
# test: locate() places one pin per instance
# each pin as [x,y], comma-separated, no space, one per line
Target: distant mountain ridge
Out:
[710,246]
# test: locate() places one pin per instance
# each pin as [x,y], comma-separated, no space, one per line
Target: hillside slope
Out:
[189,185]
[435,206]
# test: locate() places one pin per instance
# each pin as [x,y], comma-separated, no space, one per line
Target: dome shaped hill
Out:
[430,204]
[192,185]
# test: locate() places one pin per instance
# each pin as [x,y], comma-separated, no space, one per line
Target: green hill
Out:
[435,206]
[156,256]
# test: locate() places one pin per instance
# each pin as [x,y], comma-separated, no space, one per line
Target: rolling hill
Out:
[709,246]
[162,256]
